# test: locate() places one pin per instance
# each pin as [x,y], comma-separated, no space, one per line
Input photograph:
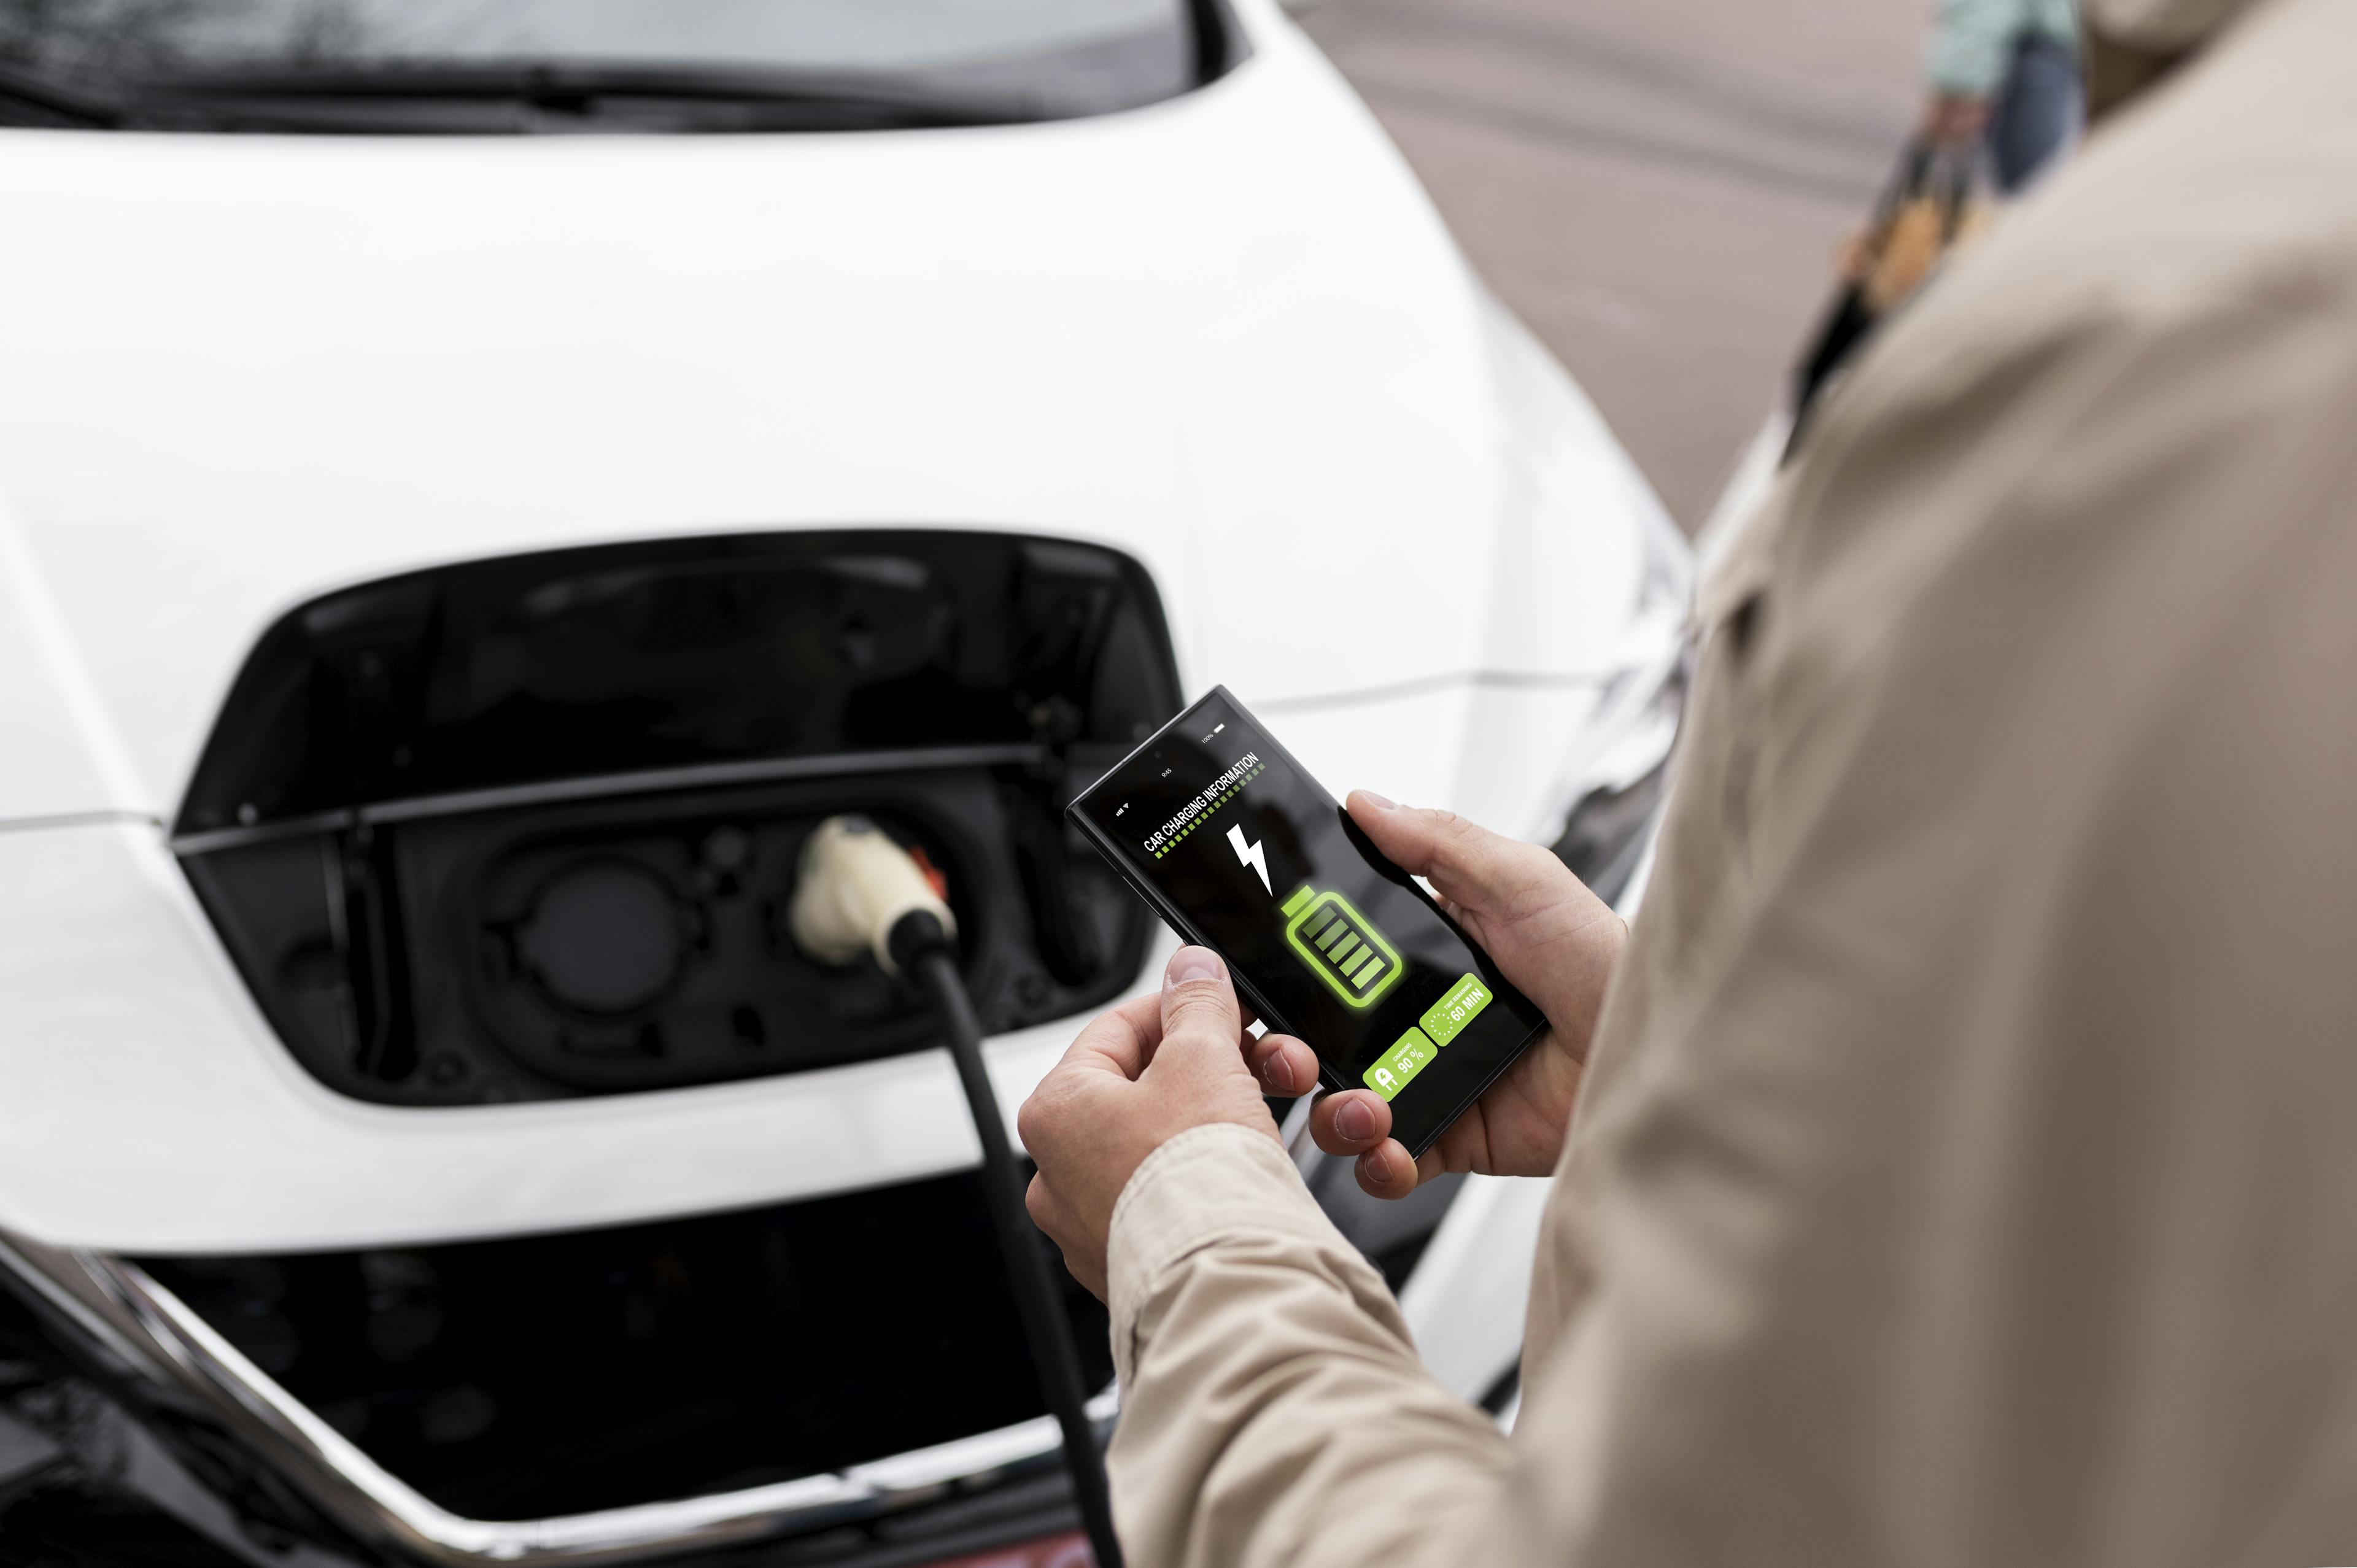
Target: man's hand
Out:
[1156,1066]
[1554,939]
[1137,1077]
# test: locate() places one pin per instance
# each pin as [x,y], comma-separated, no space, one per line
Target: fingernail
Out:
[1276,1075]
[1377,802]
[1354,1121]
[1193,963]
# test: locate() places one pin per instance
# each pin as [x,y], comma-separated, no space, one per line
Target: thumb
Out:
[1200,1019]
[1480,871]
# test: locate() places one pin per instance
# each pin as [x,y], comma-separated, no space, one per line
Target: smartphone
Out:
[1240,851]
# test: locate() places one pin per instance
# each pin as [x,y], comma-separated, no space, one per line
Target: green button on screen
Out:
[1445,1017]
[1409,1055]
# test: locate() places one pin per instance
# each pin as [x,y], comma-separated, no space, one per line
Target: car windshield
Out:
[893,61]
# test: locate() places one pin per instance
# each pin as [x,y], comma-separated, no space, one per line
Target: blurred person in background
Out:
[2006,73]
[2008,99]
[1961,1169]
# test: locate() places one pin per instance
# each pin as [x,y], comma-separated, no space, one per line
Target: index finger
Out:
[1482,872]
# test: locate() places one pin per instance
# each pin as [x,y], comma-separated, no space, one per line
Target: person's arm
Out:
[1975,1189]
[1967,64]
[1967,56]
[1274,1409]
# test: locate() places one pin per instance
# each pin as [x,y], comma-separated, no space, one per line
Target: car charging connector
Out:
[858,894]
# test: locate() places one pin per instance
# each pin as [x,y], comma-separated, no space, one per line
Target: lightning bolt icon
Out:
[1250,855]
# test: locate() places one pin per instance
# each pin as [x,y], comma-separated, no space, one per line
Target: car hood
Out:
[1226,334]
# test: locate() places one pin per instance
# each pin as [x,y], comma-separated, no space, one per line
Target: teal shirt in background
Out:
[1975,40]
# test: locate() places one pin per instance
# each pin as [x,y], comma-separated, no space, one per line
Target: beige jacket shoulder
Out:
[1965,1170]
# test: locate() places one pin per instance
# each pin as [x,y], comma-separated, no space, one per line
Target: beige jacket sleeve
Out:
[1965,1171]
[1273,1409]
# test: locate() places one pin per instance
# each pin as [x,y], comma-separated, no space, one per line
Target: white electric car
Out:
[478,482]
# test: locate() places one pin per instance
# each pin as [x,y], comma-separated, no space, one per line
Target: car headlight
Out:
[1615,776]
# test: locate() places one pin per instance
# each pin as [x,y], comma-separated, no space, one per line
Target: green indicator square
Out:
[1409,1055]
[1444,1018]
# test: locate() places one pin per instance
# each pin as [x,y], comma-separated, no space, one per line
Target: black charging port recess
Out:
[526,828]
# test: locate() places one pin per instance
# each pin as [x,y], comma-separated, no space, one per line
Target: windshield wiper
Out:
[544,97]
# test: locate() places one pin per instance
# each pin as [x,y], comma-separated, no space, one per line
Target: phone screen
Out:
[1245,854]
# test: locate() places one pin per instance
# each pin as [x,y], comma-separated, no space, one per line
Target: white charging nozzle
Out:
[855,886]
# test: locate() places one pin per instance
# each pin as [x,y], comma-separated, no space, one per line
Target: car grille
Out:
[562,1374]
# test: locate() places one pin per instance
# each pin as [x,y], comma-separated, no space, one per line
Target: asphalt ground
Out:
[1657,186]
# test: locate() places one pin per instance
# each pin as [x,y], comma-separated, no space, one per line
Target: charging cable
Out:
[861,893]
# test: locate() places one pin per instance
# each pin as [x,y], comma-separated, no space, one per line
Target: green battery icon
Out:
[1340,946]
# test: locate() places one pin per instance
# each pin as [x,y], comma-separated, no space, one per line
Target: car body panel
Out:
[165,1117]
[1226,334]
[49,769]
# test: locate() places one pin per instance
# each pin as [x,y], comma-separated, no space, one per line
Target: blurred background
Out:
[1657,186]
